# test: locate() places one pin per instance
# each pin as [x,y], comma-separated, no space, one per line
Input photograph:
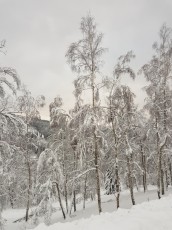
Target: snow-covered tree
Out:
[28,107]
[59,141]
[158,73]
[49,180]
[84,57]
[120,102]
[8,120]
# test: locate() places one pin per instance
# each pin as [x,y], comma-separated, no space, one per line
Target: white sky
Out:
[38,33]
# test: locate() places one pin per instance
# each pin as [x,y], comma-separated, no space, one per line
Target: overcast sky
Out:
[38,33]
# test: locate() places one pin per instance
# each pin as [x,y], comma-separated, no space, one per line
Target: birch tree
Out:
[158,74]
[59,141]
[13,85]
[49,178]
[28,106]
[117,105]
[84,57]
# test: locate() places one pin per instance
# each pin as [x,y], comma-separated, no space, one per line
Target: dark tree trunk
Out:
[165,131]
[29,177]
[162,182]
[97,174]
[96,153]
[166,173]
[85,192]
[159,166]
[170,168]
[74,201]
[60,201]
[130,180]
[65,181]
[28,191]
[117,186]
[117,181]
[159,176]
[143,163]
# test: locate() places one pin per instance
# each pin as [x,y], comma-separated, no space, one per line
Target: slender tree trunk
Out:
[159,177]
[158,160]
[60,201]
[160,168]
[162,181]
[66,195]
[74,192]
[65,180]
[28,191]
[96,153]
[165,111]
[166,179]
[145,173]
[85,192]
[29,177]
[97,175]
[166,173]
[117,182]
[143,162]
[170,168]
[165,131]
[74,201]
[130,180]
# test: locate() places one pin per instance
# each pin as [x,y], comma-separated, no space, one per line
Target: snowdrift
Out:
[153,215]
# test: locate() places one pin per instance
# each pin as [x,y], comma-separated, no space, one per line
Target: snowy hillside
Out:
[153,215]
[91,211]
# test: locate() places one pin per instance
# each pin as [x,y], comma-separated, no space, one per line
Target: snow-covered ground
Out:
[108,206]
[153,215]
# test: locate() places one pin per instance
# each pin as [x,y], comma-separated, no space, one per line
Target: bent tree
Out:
[84,57]
[13,85]
[28,107]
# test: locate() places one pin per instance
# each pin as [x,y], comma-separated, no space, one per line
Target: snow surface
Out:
[153,215]
[108,205]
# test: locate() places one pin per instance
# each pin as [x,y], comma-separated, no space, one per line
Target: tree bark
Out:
[170,168]
[158,160]
[130,180]
[60,201]
[66,195]
[65,176]
[97,174]
[166,170]
[162,180]
[117,181]
[85,192]
[74,201]
[96,153]
[117,185]
[143,163]
[28,191]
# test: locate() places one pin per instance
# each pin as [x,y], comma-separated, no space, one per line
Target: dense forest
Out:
[105,143]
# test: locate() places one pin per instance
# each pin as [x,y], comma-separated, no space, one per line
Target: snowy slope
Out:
[108,205]
[152,215]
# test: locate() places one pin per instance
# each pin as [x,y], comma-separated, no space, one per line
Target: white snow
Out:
[91,211]
[152,215]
